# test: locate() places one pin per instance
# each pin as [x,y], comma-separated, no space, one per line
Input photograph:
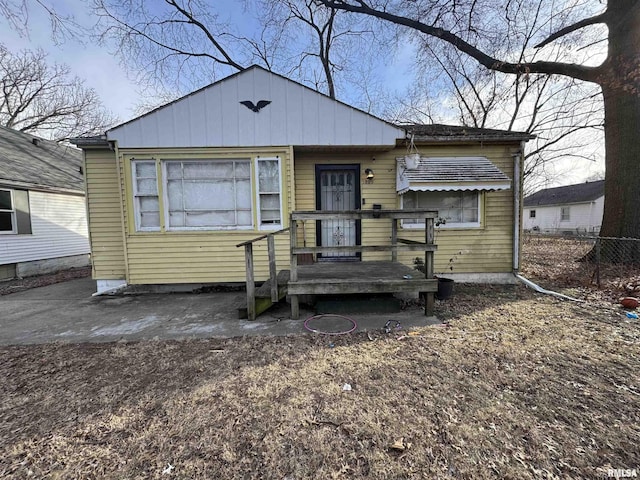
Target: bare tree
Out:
[181,45]
[18,12]
[312,43]
[565,114]
[173,44]
[618,75]
[46,99]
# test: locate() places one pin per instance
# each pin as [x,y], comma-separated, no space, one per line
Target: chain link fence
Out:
[603,263]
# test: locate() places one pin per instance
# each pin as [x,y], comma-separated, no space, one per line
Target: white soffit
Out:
[450,174]
[215,117]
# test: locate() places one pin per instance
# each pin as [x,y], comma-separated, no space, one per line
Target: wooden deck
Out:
[344,277]
[359,277]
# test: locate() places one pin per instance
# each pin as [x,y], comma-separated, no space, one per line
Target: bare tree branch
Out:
[602,18]
[573,70]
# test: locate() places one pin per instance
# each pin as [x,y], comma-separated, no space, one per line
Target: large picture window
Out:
[208,194]
[7,212]
[458,208]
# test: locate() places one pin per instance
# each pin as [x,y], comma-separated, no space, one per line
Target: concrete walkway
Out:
[66,312]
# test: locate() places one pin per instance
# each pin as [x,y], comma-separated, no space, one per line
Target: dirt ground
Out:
[20,284]
[517,386]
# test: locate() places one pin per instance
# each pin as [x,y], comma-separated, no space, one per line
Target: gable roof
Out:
[31,162]
[215,116]
[456,133]
[578,193]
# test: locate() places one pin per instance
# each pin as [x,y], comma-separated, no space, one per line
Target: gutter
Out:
[40,188]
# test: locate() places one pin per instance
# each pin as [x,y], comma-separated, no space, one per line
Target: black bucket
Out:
[445,288]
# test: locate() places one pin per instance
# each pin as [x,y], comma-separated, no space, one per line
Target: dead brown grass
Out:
[555,263]
[518,386]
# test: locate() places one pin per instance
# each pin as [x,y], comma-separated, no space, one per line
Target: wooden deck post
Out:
[293,275]
[428,264]
[273,272]
[394,239]
[251,286]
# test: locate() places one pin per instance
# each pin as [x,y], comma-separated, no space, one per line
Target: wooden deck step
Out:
[263,295]
[264,290]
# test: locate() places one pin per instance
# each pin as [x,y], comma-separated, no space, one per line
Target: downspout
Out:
[517,189]
[539,289]
[517,214]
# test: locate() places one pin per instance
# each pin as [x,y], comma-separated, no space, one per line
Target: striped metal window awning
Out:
[450,174]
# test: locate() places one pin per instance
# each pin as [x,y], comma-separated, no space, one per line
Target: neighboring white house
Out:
[43,219]
[572,209]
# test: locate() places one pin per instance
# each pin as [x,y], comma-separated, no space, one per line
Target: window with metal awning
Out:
[450,185]
[434,174]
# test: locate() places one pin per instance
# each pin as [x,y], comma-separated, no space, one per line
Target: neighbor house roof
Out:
[578,193]
[31,162]
[456,133]
[450,173]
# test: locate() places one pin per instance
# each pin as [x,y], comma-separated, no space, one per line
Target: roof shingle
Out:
[435,132]
[577,193]
[30,161]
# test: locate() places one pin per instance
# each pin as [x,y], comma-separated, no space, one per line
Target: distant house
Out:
[572,209]
[43,220]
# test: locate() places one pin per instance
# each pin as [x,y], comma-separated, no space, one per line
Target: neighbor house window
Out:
[532,214]
[458,208]
[145,194]
[269,192]
[7,212]
[564,214]
[208,194]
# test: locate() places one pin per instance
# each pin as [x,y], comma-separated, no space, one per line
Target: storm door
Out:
[338,189]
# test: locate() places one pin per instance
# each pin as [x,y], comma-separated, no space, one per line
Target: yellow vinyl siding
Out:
[104,213]
[487,249]
[211,256]
[201,256]
[381,190]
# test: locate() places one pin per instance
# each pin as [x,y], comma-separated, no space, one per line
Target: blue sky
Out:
[89,61]
[101,69]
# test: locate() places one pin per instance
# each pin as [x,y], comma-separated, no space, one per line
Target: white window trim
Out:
[165,196]
[14,220]
[446,226]
[269,226]
[136,207]
[568,219]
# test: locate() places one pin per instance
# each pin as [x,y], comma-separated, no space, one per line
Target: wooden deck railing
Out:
[397,244]
[249,265]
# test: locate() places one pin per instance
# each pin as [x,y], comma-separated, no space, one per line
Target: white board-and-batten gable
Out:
[215,117]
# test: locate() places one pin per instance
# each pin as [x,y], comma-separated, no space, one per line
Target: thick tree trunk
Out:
[621,89]
[620,82]
[622,181]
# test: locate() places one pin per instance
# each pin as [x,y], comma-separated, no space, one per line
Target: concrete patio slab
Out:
[66,312]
